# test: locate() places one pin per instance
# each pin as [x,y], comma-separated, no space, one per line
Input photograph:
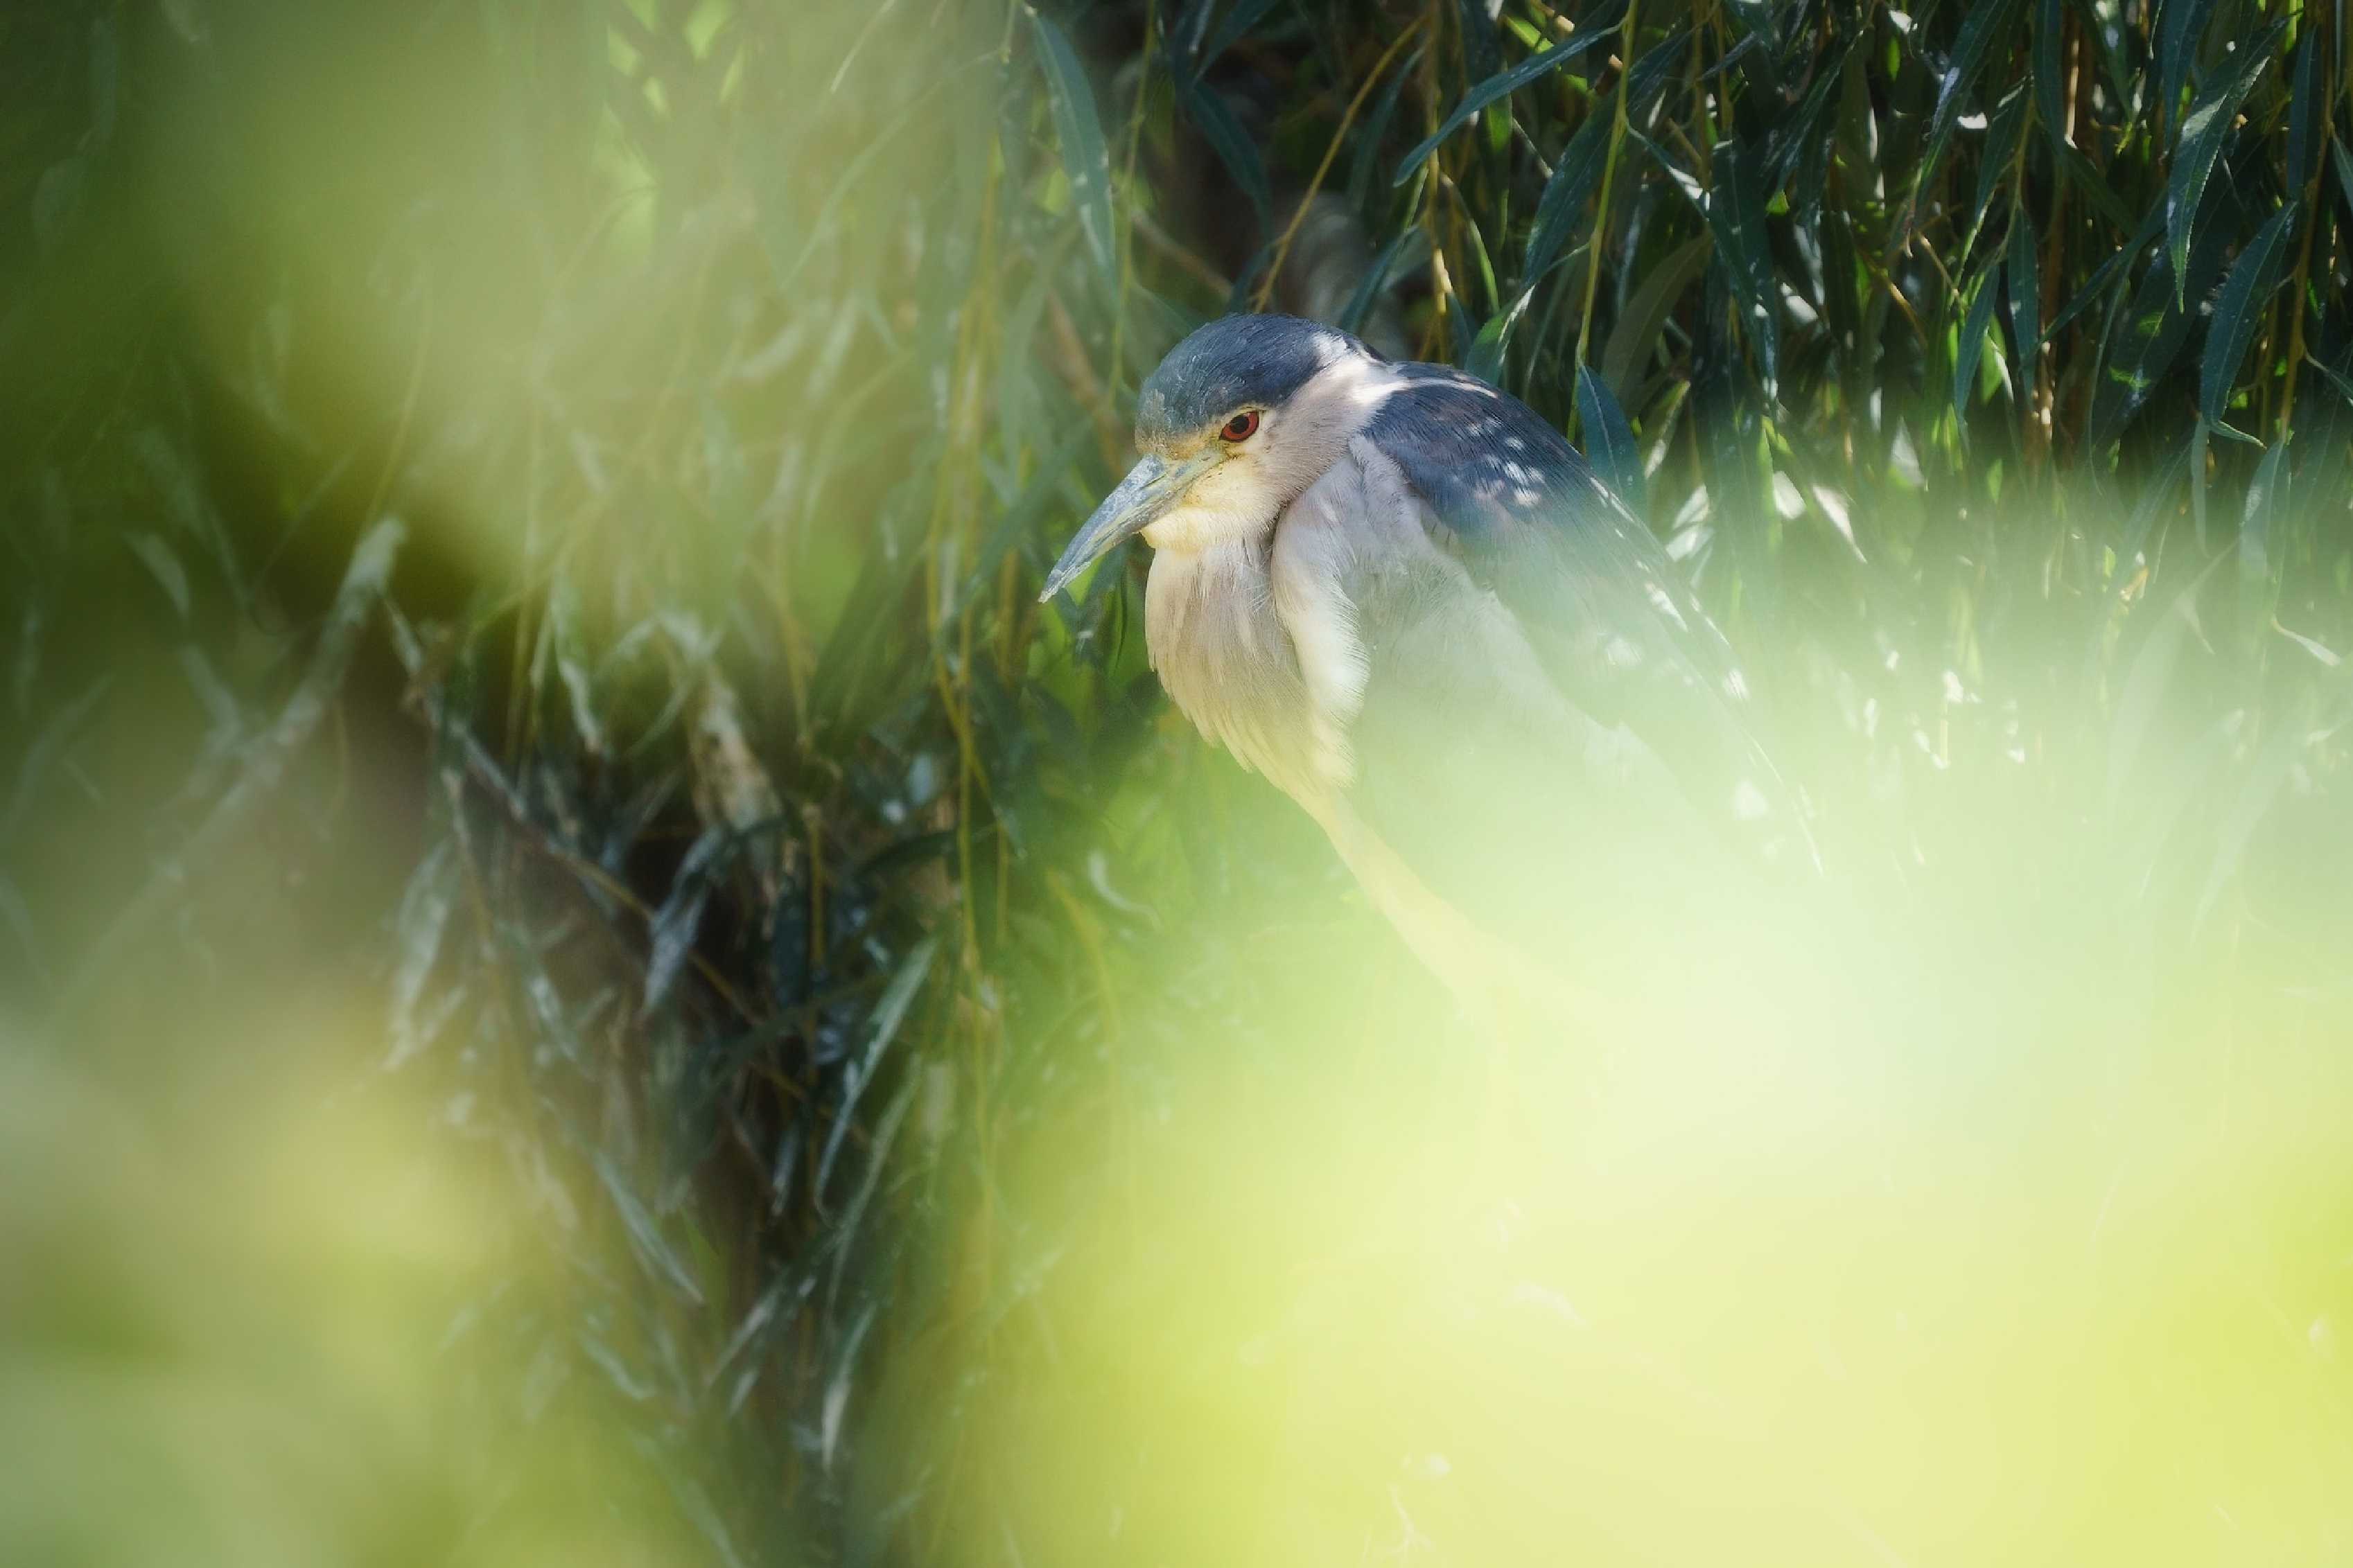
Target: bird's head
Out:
[1237,421]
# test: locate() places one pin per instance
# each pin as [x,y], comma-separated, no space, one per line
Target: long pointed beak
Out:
[1151,488]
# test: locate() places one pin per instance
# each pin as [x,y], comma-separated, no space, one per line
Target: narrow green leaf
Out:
[673,928]
[1683,179]
[2105,273]
[2238,311]
[882,1026]
[2151,334]
[1736,212]
[2307,117]
[1238,21]
[1503,84]
[2333,377]
[1463,332]
[1574,179]
[2203,131]
[1811,126]
[2155,501]
[2048,73]
[1644,317]
[1227,138]
[164,566]
[1608,440]
[2267,502]
[2180,24]
[1485,358]
[2050,86]
[1482,51]
[1365,168]
[2090,181]
[645,1232]
[1086,162]
[1983,28]
[2200,433]
[1995,160]
[2025,293]
[1757,19]
[1578,173]
[1804,162]
[1360,303]
[1972,343]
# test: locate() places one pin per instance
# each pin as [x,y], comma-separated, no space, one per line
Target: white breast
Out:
[1226,661]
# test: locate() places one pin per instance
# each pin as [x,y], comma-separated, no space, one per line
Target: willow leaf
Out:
[1983,27]
[1574,179]
[1994,161]
[1227,138]
[1736,212]
[1608,440]
[1086,162]
[1360,303]
[1644,317]
[1967,352]
[1245,14]
[2050,104]
[2180,24]
[2307,117]
[2154,329]
[2105,274]
[1579,174]
[2238,313]
[1505,83]
[2203,131]
[2025,293]
[1485,358]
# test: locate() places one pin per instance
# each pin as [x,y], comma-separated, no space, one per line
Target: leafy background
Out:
[588,976]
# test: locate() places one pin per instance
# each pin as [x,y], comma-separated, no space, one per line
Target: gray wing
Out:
[1618,634]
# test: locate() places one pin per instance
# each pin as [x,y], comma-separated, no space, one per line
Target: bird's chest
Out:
[1226,660]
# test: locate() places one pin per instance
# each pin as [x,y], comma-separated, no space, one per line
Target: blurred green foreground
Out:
[586,979]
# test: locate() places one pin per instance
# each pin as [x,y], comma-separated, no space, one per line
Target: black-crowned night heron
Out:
[1401,595]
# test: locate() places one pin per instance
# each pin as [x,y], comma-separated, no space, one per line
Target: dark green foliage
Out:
[764,877]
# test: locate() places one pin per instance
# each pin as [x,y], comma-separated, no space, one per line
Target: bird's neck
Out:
[1203,524]
[1223,657]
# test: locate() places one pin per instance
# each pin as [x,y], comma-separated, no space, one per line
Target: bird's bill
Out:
[1150,489]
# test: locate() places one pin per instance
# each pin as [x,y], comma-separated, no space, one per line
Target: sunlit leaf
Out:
[2203,131]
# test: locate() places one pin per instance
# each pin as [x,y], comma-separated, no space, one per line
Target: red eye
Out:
[1242,426]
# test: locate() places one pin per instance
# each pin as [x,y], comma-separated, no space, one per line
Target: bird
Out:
[1401,595]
